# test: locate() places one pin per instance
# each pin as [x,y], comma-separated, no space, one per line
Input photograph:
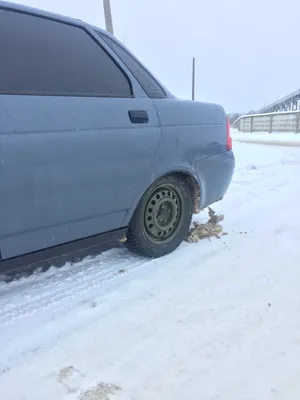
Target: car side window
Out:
[145,79]
[44,57]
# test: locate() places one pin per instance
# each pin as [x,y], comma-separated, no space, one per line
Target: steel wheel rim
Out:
[162,214]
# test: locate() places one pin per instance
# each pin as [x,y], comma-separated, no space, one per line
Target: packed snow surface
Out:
[215,320]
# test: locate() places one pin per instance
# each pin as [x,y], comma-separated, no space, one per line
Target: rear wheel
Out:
[162,218]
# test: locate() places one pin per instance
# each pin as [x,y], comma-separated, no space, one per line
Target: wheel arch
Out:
[195,185]
[195,188]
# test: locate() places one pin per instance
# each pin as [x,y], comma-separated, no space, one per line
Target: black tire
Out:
[162,218]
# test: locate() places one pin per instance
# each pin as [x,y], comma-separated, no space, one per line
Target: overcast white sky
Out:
[247,52]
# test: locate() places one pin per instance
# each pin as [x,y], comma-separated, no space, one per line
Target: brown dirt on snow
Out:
[211,228]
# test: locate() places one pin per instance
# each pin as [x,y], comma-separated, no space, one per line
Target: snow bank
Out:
[274,138]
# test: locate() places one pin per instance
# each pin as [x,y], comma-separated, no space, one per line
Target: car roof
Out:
[5,5]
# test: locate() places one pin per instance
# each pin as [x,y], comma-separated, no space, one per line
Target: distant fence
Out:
[271,122]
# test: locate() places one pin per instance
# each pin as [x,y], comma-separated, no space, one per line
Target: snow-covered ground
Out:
[216,320]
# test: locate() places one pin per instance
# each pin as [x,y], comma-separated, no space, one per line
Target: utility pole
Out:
[108,17]
[193,79]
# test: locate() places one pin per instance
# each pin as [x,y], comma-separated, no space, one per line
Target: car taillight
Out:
[228,137]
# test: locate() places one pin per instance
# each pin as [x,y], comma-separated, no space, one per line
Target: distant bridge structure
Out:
[290,102]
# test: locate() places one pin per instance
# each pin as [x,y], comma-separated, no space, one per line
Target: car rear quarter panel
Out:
[193,142]
[194,128]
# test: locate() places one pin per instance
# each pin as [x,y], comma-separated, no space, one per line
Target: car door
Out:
[78,135]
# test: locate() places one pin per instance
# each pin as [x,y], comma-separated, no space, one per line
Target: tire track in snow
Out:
[65,287]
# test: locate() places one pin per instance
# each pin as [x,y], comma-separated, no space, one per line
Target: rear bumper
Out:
[215,174]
